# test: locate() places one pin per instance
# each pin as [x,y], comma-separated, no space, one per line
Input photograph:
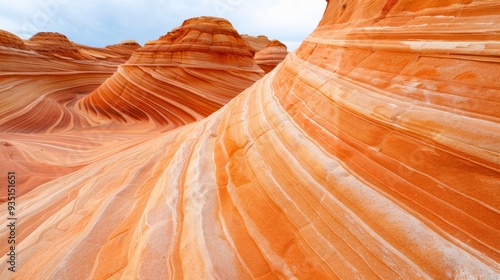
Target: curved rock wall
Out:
[37,96]
[370,152]
[120,52]
[182,77]
[272,55]
[10,40]
[57,45]
[256,43]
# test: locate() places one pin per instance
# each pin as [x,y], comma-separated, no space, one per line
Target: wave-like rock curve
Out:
[370,152]
[38,93]
[256,43]
[9,40]
[57,45]
[272,55]
[120,52]
[182,77]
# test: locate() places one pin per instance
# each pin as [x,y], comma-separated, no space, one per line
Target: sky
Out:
[100,23]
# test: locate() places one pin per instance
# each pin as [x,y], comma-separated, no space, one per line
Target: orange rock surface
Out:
[55,45]
[371,152]
[37,95]
[10,40]
[256,44]
[182,77]
[117,53]
[272,55]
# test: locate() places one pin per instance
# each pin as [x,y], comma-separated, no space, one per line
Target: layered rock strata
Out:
[272,55]
[120,52]
[182,77]
[256,44]
[9,40]
[37,96]
[370,152]
[57,45]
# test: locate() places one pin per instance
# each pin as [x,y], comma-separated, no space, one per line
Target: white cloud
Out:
[285,20]
[8,23]
[100,23]
[291,46]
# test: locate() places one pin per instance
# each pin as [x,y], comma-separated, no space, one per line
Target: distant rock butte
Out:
[39,83]
[202,41]
[272,55]
[120,52]
[10,40]
[56,45]
[49,45]
[256,43]
[182,77]
[370,152]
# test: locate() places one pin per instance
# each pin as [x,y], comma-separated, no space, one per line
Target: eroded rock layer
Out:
[57,45]
[272,55]
[10,40]
[38,90]
[37,96]
[182,77]
[120,52]
[256,44]
[370,152]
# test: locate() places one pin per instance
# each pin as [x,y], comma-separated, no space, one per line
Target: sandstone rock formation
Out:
[55,44]
[120,52]
[53,52]
[37,95]
[10,40]
[370,152]
[272,55]
[182,77]
[256,44]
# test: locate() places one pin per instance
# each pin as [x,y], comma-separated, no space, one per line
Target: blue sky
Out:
[104,22]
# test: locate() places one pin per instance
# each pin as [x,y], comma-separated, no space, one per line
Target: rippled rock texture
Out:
[256,44]
[272,55]
[57,45]
[117,53]
[37,96]
[182,77]
[9,40]
[370,152]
